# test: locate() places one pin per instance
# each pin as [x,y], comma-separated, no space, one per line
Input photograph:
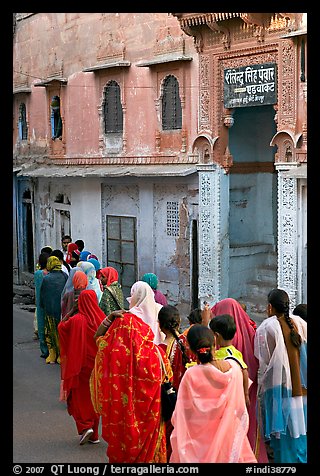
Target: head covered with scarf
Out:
[72,248]
[111,275]
[53,264]
[76,282]
[143,304]
[95,263]
[93,282]
[151,279]
[84,255]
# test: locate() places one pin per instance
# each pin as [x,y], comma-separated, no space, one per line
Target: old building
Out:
[128,135]
[253,130]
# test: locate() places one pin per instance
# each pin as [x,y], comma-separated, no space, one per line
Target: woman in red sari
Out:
[244,342]
[177,350]
[125,390]
[77,353]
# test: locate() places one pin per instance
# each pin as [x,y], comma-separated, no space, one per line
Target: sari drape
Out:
[112,297]
[40,314]
[77,353]
[210,419]
[50,300]
[125,390]
[284,415]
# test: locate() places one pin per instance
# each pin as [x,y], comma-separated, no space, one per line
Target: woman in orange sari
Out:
[125,390]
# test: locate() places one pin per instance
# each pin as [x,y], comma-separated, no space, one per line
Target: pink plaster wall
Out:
[64,44]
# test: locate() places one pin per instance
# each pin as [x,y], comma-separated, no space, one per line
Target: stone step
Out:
[267,274]
[272,260]
[28,307]
[23,290]
[260,289]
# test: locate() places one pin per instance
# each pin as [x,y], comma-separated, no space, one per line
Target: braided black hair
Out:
[279,299]
[169,319]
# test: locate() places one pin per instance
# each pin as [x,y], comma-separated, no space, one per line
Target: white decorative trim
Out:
[209,231]
[287,236]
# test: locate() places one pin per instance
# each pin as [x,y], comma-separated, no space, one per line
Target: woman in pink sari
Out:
[244,342]
[210,419]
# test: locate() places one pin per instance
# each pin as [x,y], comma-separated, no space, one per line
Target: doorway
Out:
[122,249]
[195,266]
[252,198]
[27,233]
[302,241]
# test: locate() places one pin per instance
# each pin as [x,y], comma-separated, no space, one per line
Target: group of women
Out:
[111,372]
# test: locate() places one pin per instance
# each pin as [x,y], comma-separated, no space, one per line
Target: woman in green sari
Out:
[112,298]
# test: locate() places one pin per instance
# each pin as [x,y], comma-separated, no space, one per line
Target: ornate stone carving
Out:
[287,236]
[217,26]
[204,121]
[197,36]
[110,47]
[228,120]
[168,44]
[183,141]
[204,103]
[287,92]
[227,160]
[157,141]
[209,228]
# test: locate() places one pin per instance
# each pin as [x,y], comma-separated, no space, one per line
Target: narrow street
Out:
[43,431]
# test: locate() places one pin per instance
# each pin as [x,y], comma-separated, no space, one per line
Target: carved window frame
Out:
[171,104]
[115,113]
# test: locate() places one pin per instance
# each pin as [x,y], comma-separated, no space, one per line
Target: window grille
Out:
[23,127]
[112,108]
[172,219]
[171,104]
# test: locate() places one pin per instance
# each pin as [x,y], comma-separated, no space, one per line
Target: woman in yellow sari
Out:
[125,390]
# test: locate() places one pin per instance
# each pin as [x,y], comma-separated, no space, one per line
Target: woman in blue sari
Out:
[38,276]
[281,348]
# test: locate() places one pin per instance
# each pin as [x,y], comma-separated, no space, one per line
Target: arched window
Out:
[22,125]
[171,104]
[112,108]
[56,121]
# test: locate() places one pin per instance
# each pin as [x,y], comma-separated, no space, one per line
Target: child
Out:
[224,329]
